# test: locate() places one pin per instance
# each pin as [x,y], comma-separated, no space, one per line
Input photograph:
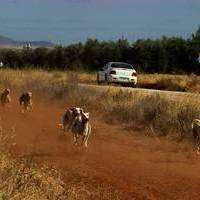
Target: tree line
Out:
[164,55]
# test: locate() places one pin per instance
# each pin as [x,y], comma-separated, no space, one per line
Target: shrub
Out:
[193,83]
[185,116]
[171,84]
[152,111]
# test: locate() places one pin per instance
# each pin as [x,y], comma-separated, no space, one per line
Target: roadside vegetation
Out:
[155,115]
[165,55]
[156,112]
[55,74]
[23,179]
[182,83]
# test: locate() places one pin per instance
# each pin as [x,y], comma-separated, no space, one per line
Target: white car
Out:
[117,72]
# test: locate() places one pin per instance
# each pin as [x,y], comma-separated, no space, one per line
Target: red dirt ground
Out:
[138,166]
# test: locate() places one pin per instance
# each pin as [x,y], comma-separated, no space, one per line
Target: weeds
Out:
[19,181]
[132,108]
[193,84]
[189,83]
[170,84]
[157,113]
[6,139]
[164,117]
[185,116]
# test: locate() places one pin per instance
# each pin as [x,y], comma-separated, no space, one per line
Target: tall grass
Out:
[22,178]
[154,114]
[133,108]
[167,118]
[187,83]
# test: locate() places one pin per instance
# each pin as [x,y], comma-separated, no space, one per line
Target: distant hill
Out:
[8,42]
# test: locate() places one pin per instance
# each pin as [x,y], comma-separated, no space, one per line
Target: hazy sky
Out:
[67,21]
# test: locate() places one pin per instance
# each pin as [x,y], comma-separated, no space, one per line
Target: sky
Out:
[70,21]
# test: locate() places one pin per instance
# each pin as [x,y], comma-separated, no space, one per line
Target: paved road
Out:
[171,95]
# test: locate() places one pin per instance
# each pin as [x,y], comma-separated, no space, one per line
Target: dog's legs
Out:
[85,141]
[198,144]
[75,140]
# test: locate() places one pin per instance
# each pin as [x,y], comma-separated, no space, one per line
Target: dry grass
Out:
[155,114]
[23,179]
[19,77]
[135,108]
[187,83]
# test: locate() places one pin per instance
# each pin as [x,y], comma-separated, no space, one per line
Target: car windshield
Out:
[121,65]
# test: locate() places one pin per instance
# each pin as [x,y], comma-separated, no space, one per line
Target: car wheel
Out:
[106,79]
[98,80]
[133,85]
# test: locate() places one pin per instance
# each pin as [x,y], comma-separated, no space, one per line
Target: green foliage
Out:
[165,55]
[2,196]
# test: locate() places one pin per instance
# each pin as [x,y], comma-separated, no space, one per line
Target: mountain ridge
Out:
[9,42]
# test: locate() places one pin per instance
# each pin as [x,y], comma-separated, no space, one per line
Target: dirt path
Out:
[139,167]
